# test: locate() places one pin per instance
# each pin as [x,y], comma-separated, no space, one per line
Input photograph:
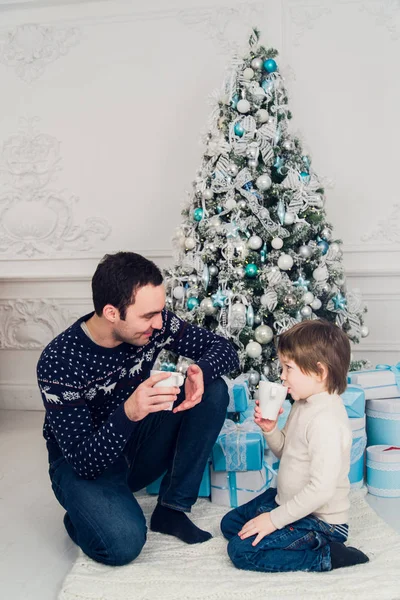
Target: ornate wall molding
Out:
[387,230]
[31,324]
[34,218]
[386,12]
[30,47]
[304,17]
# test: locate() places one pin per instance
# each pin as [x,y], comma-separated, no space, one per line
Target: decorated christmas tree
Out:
[255,253]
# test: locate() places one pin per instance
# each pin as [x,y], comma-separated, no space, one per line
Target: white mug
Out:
[271,397]
[175,379]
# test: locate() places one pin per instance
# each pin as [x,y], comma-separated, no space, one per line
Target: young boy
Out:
[302,525]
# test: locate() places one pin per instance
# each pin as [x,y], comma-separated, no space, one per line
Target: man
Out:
[107,429]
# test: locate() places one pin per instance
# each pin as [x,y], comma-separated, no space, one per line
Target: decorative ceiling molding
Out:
[31,324]
[34,218]
[29,48]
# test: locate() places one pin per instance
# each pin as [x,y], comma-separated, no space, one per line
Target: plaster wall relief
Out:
[30,47]
[387,230]
[35,218]
[31,324]
[386,13]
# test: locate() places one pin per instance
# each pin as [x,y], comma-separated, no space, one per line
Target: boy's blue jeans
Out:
[300,546]
[103,517]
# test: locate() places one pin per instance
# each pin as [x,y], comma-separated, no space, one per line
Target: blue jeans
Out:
[300,546]
[103,517]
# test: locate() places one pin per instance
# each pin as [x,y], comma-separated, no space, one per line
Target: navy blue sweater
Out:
[84,387]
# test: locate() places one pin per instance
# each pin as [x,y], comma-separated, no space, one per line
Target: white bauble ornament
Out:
[264,300]
[285,262]
[242,204]
[257,63]
[208,194]
[253,349]
[305,251]
[238,309]
[306,311]
[230,204]
[248,74]
[334,247]
[364,331]
[316,304]
[254,242]
[320,273]
[243,106]
[233,169]
[207,305]
[189,243]
[326,234]
[252,163]
[308,297]
[289,218]
[213,270]
[178,292]
[263,182]
[240,272]
[277,243]
[211,247]
[262,115]
[287,144]
[263,334]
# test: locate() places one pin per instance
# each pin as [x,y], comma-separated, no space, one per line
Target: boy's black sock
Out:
[345,556]
[175,522]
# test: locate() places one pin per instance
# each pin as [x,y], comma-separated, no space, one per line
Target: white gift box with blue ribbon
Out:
[239,394]
[239,447]
[383,471]
[383,421]
[354,401]
[230,488]
[381,382]
[356,473]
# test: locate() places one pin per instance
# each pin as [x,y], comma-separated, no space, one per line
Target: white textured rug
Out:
[168,569]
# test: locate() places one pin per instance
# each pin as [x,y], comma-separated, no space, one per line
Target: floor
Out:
[35,551]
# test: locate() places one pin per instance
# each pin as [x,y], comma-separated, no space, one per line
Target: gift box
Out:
[383,470]
[239,447]
[205,487]
[239,394]
[354,401]
[236,488]
[272,463]
[356,473]
[383,421]
[381,382]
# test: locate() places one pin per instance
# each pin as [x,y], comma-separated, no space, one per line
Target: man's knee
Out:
[119,545]
[216,393]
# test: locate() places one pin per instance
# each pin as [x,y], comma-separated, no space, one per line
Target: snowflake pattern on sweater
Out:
[84,386]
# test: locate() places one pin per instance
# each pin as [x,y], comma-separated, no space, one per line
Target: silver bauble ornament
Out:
[306,311]
[263,182]
[252,163]
[264,300]
[285,262]
[263,334]
[326,234]
[240,272]
[364,331]
[254,377]
[340,279]
[265,370]
[178,292]
[230,204]
[289,218]
[308,297]
[243,106]
[193,279]
[251,152]
[190,243]
[207,305]
[288,145]
[262,115]
[257,63]
[277,243]
[305,251]
[254,242]
[257,320]
[290,300]
[326,288]
[253,349]
[213,269]
[211,247]
[242,204]
[320,273]
[233,169]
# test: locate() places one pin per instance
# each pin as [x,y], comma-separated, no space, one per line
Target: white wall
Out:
[101,109]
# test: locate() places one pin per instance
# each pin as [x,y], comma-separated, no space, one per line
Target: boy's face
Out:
[300,385]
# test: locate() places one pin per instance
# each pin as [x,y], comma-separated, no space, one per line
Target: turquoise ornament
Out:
[263,253]
[234,100]
[198,214]
[281,211]
[219,209]
[339,301]
[270,65]
[306,160]
[251,270]
[219,298]
[192,303]
[167,366]
[266,85]
[239,130]
[250,316]
[323,246]
[302,283]
[305,176]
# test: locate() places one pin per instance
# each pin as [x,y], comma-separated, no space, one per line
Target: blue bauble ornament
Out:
[192,303]
[266,85]
[305,176]
[198,214]
[323,246]
[270,65]
[251,270]
[239,129]
[219,209]
[234,100]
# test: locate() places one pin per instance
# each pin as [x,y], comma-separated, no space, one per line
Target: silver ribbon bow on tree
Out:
[303,191]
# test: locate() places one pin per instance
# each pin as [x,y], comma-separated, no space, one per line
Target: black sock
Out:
[175,522]
[345,556]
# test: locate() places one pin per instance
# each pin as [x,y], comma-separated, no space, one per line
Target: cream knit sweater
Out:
[314,450]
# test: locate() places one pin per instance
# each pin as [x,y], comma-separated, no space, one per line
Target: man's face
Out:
[142,317]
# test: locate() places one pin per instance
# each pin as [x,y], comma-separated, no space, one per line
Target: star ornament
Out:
[231,230]
[302,283]
[339,301]
[219,298]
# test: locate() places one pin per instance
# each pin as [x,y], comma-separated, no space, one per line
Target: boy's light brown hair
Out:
[318,341]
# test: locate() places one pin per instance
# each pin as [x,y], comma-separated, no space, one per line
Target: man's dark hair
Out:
[310,342]
[118,277]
